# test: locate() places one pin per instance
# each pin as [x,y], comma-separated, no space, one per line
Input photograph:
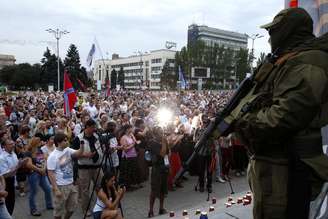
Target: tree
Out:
[21,76]
[72,64]
[113,79]
[168,77]
[48,74]
[120,78]
[243,64]
[261,59]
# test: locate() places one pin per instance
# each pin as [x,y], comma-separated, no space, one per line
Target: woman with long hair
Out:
[140,133]
[108,199]
[37,175]
[41,130]
[21,146]
[129,172]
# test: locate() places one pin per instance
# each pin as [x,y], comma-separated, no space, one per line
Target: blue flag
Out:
[91,54]
[182,79]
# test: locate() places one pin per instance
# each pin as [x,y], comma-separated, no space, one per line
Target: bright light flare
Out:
[164,117]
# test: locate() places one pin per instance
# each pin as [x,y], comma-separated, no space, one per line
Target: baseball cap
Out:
[296,16]
[277,19]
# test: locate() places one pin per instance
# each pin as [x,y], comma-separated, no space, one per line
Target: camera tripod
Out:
[103,166]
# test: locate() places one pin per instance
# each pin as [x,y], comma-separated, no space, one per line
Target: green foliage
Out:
[260,59]
[223,62]
[72,64]
[113,79]
[243,64]
[49,70]
[120,78]
[21,76]
[168,77]
[26,76]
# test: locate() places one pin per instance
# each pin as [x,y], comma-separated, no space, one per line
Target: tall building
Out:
[140,71]
[213,36]
[6,60]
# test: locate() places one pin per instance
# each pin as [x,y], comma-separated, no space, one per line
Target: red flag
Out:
[107,86]
[69,95]
[293,3]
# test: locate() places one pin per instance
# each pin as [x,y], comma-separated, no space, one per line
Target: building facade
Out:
[213,36]
[140,71]
[6,60]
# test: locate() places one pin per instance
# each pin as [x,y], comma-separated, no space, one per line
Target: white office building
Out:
[140,71]
[211,36]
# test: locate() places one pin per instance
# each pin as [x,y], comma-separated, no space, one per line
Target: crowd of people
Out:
[114,143]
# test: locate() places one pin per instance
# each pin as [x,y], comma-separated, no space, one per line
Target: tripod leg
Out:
[232,192]
[94,186]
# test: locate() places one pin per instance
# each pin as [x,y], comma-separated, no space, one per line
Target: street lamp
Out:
[253,38]
[57,33]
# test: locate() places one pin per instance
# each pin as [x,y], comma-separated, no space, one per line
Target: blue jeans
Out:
[4,212]
[97,215]
[35,179]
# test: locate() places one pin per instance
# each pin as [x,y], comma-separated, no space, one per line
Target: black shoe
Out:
[178,185]
[150,214]
[201,189]
[184,178]
[162,211]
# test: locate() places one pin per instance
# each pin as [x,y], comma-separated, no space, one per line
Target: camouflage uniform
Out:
[283,129]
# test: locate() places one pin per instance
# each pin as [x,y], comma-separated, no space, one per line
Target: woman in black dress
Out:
[159,171]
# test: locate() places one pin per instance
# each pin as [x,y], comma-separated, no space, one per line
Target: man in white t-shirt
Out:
[92,109]
[60,170]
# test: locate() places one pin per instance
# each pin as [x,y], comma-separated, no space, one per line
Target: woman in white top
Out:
[49,146]
[108,199]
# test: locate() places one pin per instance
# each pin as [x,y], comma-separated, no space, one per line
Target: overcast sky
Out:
[123,26]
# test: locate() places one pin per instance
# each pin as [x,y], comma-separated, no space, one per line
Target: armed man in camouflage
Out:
[283,129]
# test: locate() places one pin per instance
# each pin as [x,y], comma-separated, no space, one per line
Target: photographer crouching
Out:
[108,198]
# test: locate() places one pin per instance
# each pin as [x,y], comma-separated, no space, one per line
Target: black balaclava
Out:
[295,28]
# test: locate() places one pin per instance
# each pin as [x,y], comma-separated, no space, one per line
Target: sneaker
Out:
[243,173]
[22,194]
[237,174]
[35,213]
[220,180]
[226,177]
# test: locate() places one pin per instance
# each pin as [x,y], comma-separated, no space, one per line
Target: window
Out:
[153,61]
[156,76]
[99,75]
[171,60]
[158,68]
